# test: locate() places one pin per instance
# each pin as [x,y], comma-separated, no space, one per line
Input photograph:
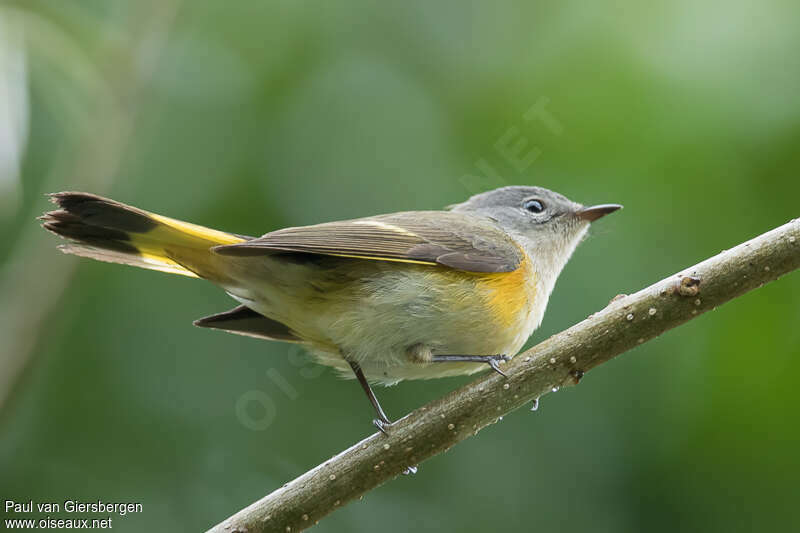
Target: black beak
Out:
[592,213]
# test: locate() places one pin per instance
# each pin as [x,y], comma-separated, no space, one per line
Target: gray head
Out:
[548,225]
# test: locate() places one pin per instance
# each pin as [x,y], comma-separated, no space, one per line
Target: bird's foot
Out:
[494,362]
[382,425]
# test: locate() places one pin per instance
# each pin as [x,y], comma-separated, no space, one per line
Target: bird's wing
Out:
[456,240]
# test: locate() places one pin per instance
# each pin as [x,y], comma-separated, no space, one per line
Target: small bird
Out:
[409,295]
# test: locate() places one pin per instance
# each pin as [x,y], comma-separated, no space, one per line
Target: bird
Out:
[382,299]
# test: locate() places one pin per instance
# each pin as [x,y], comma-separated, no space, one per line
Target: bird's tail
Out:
[106,230]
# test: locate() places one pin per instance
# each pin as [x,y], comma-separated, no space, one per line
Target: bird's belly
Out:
[444,311]
[373,312]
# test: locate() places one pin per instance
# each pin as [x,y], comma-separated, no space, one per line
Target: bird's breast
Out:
[512,303]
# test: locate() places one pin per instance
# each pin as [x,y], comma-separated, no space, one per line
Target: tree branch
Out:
[561,360]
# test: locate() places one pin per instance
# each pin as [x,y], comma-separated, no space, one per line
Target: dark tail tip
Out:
[70,226]
[96,221]
[93,210]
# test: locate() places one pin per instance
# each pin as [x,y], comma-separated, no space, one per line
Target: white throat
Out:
[549,256]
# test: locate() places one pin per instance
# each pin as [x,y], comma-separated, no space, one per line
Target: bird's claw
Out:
[410,470]
[381,425]
[493,362]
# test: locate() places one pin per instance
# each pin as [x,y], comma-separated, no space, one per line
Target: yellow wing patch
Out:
[395,259]
[384,225]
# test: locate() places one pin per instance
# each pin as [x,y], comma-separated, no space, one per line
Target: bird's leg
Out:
[491,360]
[382,421]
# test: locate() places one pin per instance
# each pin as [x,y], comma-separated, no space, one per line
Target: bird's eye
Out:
[534,206]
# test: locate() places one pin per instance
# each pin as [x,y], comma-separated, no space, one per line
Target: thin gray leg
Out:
[382,421]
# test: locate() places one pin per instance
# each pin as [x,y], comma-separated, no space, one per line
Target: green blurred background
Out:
[253,115]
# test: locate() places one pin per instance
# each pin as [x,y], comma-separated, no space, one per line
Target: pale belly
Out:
[384,314]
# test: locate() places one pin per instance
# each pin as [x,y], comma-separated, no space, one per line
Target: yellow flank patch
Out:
[201,232]
[509,293]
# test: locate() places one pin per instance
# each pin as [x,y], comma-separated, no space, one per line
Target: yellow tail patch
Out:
[110,231]
[200,232]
